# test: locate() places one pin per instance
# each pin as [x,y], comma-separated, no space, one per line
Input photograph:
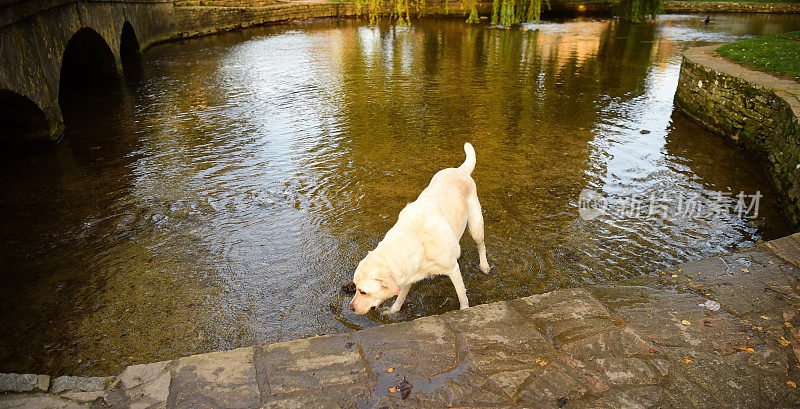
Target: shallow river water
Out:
[221,192]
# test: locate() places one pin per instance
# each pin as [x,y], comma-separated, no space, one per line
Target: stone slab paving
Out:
[646,342]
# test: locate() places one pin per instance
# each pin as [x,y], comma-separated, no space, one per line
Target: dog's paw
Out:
[486,268]
[389,311]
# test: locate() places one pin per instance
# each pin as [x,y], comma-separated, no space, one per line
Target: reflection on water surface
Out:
[220,195]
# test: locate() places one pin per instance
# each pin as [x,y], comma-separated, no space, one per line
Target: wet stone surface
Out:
[645,342]
[79,384]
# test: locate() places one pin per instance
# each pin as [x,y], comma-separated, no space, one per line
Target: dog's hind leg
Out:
[398,303]
[458,283]
[475,223]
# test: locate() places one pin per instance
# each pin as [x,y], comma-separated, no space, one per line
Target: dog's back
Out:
[449,190]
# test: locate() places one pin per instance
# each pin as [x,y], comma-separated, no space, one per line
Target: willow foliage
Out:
[400,9]
[510,12]
[472,6]
[639,10]
[505,12]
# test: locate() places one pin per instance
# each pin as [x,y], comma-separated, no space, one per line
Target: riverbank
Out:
[203,18]
[207,17]
[757,110]
[678,7]
[716,332]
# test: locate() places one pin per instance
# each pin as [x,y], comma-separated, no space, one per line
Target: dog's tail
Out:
[469,164]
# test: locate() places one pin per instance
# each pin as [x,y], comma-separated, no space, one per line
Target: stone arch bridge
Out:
[49,45]
[44,41]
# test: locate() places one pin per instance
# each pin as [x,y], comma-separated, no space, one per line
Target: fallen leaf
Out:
[772,262]
[759,328]
[748,350]
[393,389]
[390,370]
[792,384]
[686,322]
[764,317]
[674,276]
[653,351]
[377,357]
[538,360]
[745,270]
[687,361]
[405,388]
[543,363]
[784,342]
[787,325]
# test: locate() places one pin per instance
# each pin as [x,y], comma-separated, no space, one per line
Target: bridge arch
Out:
[129,48]
[21,119]
[87,58]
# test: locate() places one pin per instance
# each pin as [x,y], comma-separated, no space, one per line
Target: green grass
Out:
[778,53]
[749,1]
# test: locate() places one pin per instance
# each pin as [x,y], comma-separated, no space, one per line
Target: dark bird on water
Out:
[707,20]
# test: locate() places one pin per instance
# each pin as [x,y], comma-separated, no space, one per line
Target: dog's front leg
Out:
[458,283]
[401,298]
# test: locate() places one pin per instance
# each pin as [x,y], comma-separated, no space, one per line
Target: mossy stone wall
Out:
[757,110]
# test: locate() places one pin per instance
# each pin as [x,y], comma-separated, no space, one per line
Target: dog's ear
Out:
[387,281]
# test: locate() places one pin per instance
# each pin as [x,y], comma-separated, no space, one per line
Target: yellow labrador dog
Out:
[424,241]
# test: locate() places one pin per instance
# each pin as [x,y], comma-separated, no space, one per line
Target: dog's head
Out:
[374,283]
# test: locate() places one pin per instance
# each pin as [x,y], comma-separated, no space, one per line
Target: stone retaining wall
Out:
[225,3]
[756,110]
[193,21]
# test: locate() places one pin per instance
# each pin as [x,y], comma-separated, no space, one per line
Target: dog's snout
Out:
[372,308]
[351,307]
